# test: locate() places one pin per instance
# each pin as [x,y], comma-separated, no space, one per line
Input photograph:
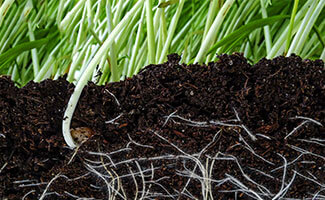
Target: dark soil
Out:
[226,130]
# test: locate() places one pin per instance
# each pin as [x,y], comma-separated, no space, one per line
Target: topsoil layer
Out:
[226,130]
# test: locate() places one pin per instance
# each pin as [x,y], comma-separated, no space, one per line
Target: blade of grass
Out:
[112,53]
[186,28]
[322,57]
[150,33]
[301,30]
[136,45]
[171,31]
[34,51]
[213,31]
[4,9]
[266,28]
[69,17]
[279,46]
[8,30]
[292,20]
[12,53]
[307,29]
[51,59]
[319,35]
[213,10]
[245,30]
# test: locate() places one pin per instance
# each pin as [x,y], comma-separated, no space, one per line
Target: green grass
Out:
[109,40]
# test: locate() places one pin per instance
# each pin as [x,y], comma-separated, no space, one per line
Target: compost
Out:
[225,130]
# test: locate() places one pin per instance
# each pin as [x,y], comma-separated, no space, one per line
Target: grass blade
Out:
[246,30]
[292,20]
[12,53]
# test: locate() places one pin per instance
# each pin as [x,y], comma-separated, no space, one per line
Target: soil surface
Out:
[226,130]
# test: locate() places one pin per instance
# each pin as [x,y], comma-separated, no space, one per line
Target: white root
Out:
[138,144]
[28,193]
[116,100]
[307,120]
[48,186]
[112,121]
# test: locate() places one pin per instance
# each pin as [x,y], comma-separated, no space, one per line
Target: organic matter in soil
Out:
[226,130]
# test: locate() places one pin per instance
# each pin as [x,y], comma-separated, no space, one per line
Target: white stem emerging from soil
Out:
[90,68]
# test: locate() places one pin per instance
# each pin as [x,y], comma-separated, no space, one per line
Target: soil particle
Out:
[225,130]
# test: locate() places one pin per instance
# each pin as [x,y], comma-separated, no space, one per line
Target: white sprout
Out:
[88,71]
